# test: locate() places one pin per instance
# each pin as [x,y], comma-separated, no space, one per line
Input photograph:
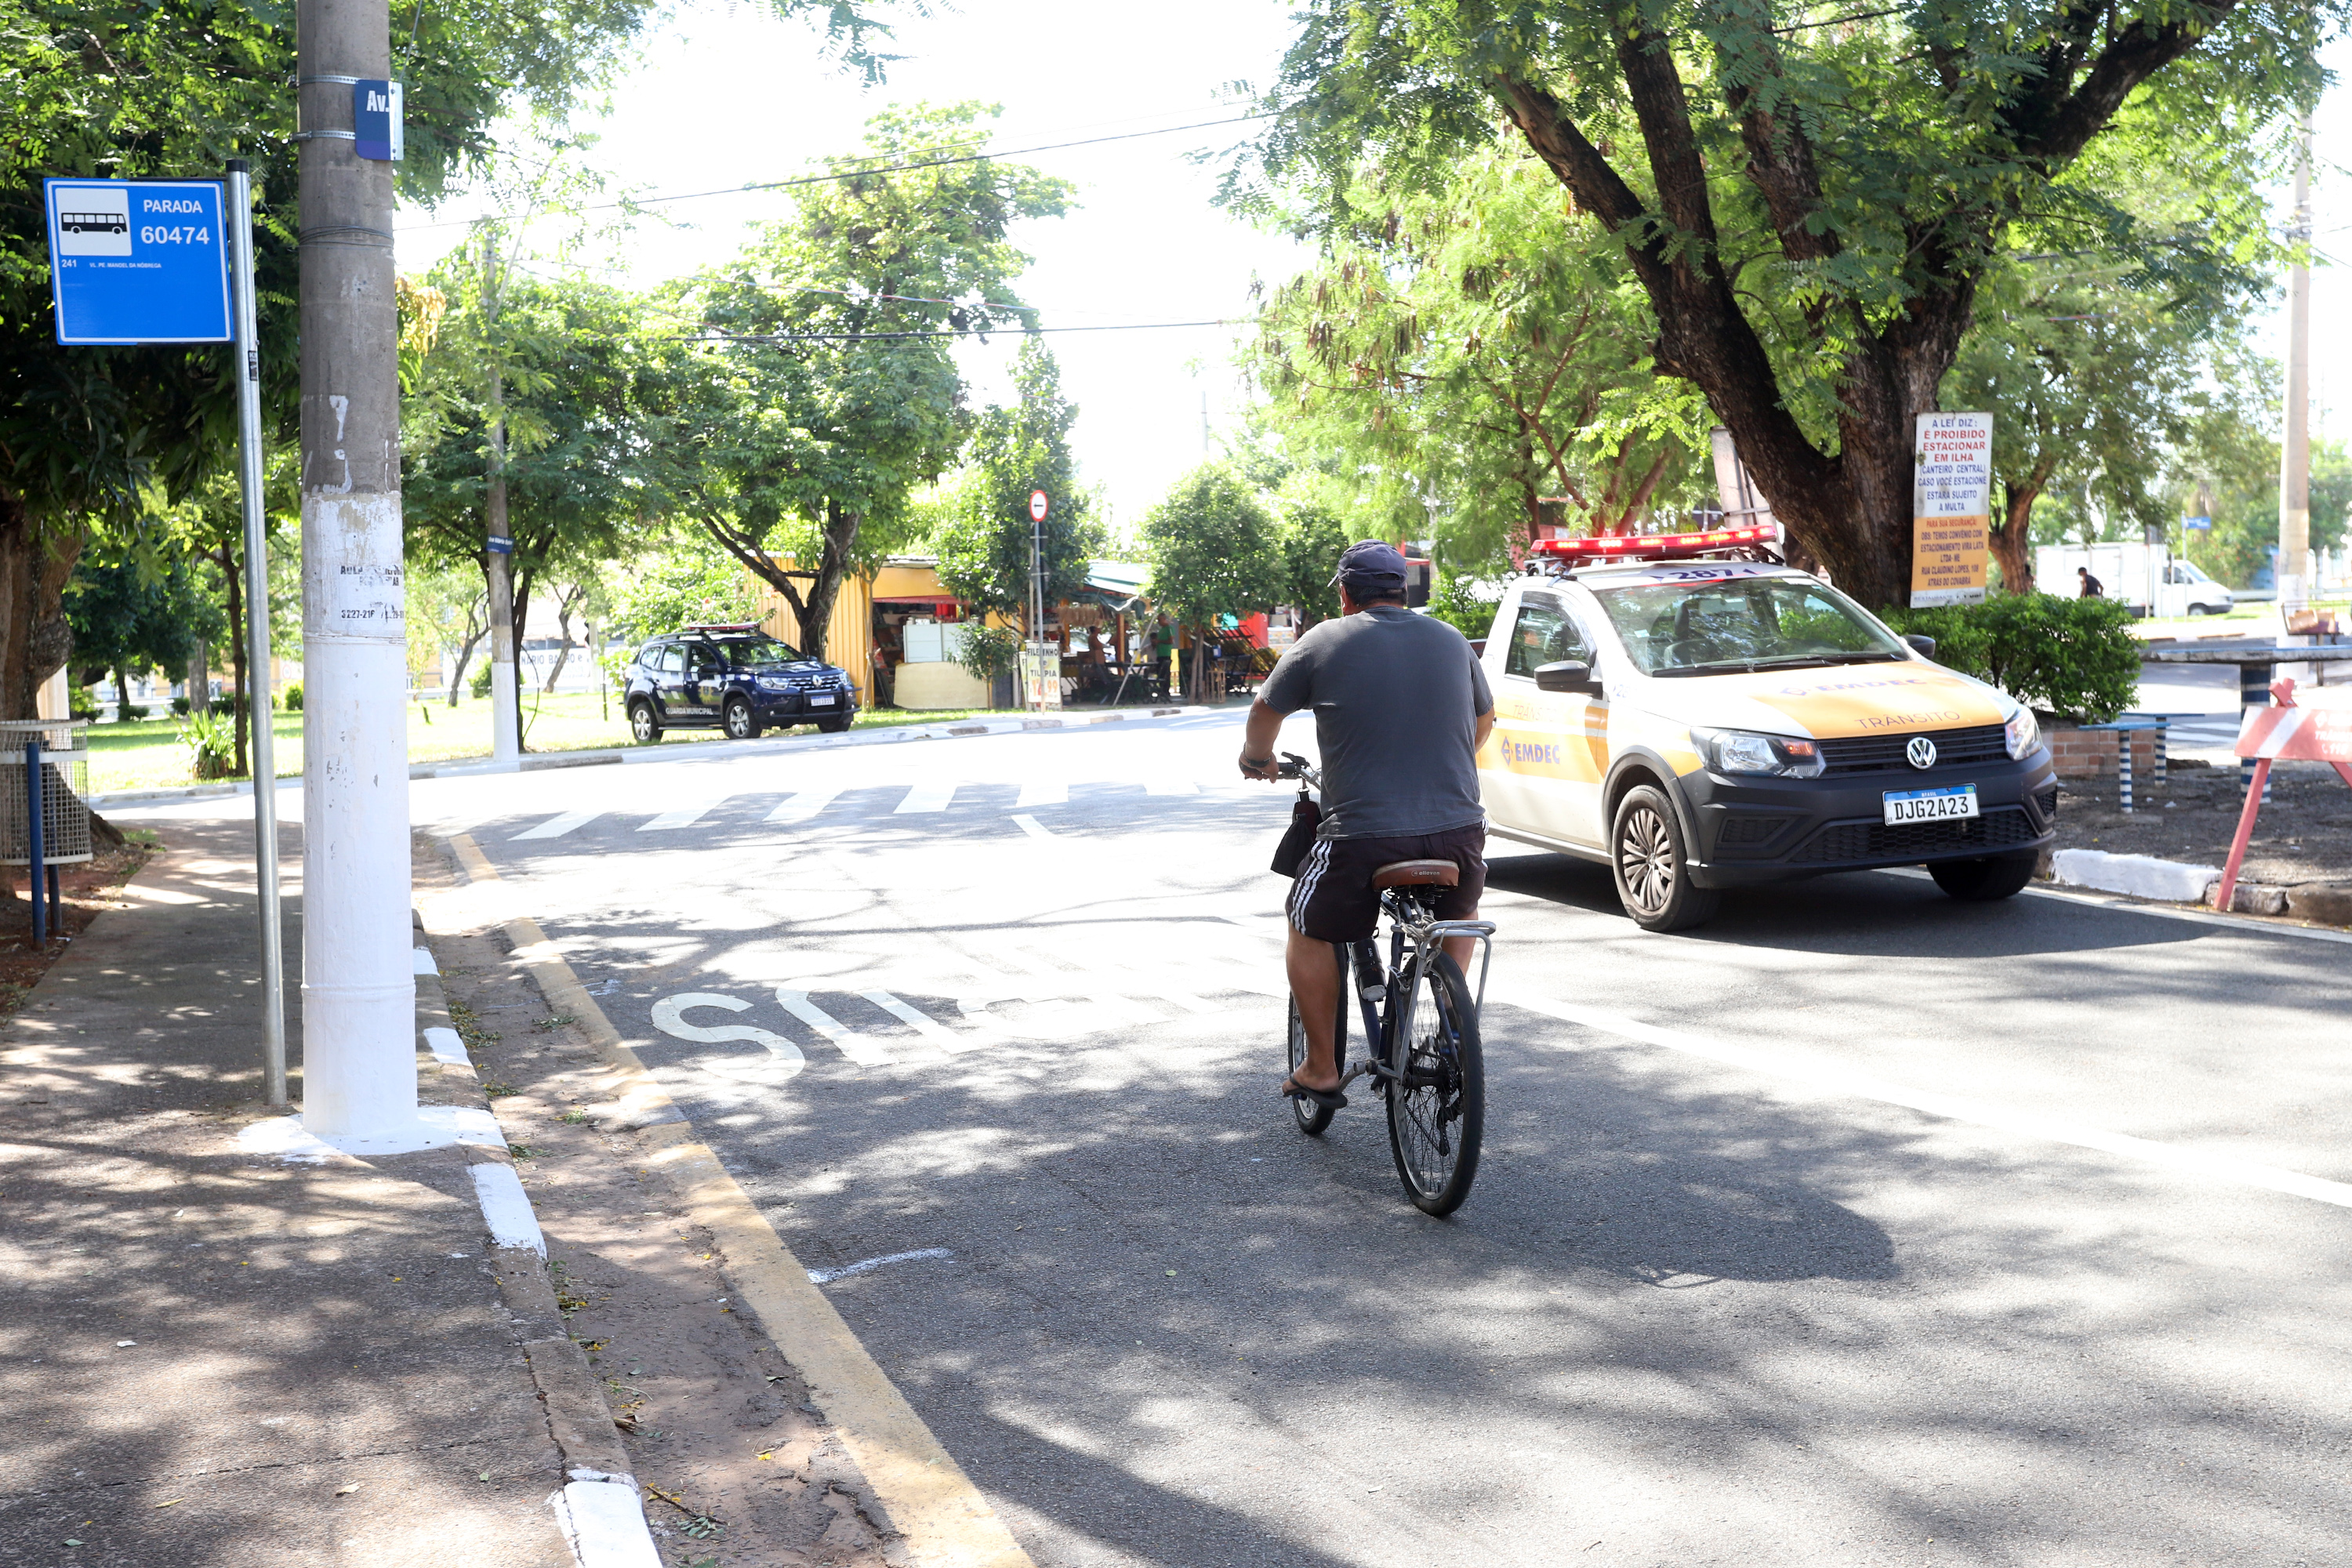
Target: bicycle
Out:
[1422,1050]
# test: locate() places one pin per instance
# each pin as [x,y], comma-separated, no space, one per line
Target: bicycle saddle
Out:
[1418,874]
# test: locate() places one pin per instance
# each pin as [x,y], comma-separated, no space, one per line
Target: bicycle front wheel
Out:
[1437,1103]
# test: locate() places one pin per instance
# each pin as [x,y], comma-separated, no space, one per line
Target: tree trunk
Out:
[812,614]
[519,618]
[121,694]
[232,568]
[464,652]
[2012,537]
[35,562]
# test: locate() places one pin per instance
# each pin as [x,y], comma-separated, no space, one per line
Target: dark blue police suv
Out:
[736,676]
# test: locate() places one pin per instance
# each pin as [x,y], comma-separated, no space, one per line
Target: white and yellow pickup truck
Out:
[1698,722]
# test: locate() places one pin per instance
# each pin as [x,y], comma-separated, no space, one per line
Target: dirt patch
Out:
[84,892]
[738,1469]
[2303,834]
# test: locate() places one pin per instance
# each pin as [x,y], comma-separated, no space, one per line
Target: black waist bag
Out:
[1297,839]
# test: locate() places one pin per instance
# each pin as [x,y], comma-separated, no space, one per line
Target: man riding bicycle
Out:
[1401,710]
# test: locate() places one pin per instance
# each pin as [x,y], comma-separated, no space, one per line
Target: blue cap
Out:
[1371,567]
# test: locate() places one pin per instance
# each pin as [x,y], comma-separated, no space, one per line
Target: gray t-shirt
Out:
[1396,698]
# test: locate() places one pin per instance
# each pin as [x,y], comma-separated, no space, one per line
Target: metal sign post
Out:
[256,614]
[147,261]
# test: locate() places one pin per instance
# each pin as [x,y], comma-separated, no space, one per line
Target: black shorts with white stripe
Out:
[1333,899]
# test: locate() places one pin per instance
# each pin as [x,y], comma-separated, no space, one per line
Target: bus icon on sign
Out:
[94,220]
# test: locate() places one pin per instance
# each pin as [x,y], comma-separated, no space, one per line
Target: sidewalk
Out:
[216,1355]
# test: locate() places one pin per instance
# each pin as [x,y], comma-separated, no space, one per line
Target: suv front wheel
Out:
[1652,864]
[644,728]
[742,724]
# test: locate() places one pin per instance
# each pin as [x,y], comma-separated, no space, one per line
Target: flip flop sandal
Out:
[1328,1099]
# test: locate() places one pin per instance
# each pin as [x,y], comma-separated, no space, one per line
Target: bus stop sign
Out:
[138,261]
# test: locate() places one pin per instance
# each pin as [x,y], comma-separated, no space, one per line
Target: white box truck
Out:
[2144,576]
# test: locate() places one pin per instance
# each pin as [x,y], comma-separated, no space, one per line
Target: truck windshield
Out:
[1741,624]
[759,652]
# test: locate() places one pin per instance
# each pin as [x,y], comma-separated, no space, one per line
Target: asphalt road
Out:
[1860,1226]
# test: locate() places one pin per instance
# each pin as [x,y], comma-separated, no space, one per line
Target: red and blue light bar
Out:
[1656,546]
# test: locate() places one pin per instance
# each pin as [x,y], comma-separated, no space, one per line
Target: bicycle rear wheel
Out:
[1437,1106]
[1313,1118]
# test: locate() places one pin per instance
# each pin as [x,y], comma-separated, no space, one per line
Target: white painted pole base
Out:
[359,987]
[505,728]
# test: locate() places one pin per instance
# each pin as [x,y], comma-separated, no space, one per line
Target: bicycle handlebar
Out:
[1293,766]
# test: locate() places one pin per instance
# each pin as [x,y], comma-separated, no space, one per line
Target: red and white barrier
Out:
[2317,730]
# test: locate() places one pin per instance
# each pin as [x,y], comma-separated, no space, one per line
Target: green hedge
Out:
[2076,658]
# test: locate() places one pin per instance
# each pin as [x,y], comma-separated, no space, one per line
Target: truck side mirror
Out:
[1566,674]
[1926,646]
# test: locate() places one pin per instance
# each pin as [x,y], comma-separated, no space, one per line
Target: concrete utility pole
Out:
[359,993]
[506,692]
[2295,452]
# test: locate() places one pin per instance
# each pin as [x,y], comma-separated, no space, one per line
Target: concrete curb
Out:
[2141,876]
[927,1499]
[599,1499]
[540,761]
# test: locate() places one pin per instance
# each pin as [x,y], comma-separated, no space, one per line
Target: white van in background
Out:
[2144,576]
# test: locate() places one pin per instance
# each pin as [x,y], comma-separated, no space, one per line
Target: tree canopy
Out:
[984,540]
[1812,206]
[819,390]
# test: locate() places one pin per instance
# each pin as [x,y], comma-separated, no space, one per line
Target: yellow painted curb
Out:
[930,1501]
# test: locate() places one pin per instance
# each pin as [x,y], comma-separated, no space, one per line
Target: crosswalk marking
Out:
[1031,825]
[923,1023]
[801,806]
[863,1049]
[1171,786]
[1043,792]
[557,827]
[933,796]
[684,815]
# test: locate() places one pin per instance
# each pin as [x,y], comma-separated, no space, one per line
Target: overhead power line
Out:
[878,169]
[951,332]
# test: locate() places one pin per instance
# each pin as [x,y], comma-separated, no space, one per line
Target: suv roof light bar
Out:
[1658,546]
[721,626]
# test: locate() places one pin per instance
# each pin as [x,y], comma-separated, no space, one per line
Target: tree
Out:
[984,540]
[824,392]
[1811,205]
[539,387]
[1213,551]
[90,439]
[127,616]
[1311,537]
[1475,339]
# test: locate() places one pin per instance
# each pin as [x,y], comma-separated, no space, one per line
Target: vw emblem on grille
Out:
[1920,753]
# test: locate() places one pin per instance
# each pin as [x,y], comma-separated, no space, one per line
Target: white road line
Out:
[505,1208]
[801,806]
[669,1018]
[866,1266]
[863,1049]
[933,796]
[1031,826]
[1044,792]
[684,815]
[923,1023]
[557,827]
[1951,1108]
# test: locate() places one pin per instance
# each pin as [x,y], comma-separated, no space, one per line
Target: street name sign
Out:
[1951,509]
[138,261]
[377,109]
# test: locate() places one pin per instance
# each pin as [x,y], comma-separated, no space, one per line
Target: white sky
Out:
[729,95]
[726,95]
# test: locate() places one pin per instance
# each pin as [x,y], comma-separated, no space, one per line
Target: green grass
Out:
[147,753]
